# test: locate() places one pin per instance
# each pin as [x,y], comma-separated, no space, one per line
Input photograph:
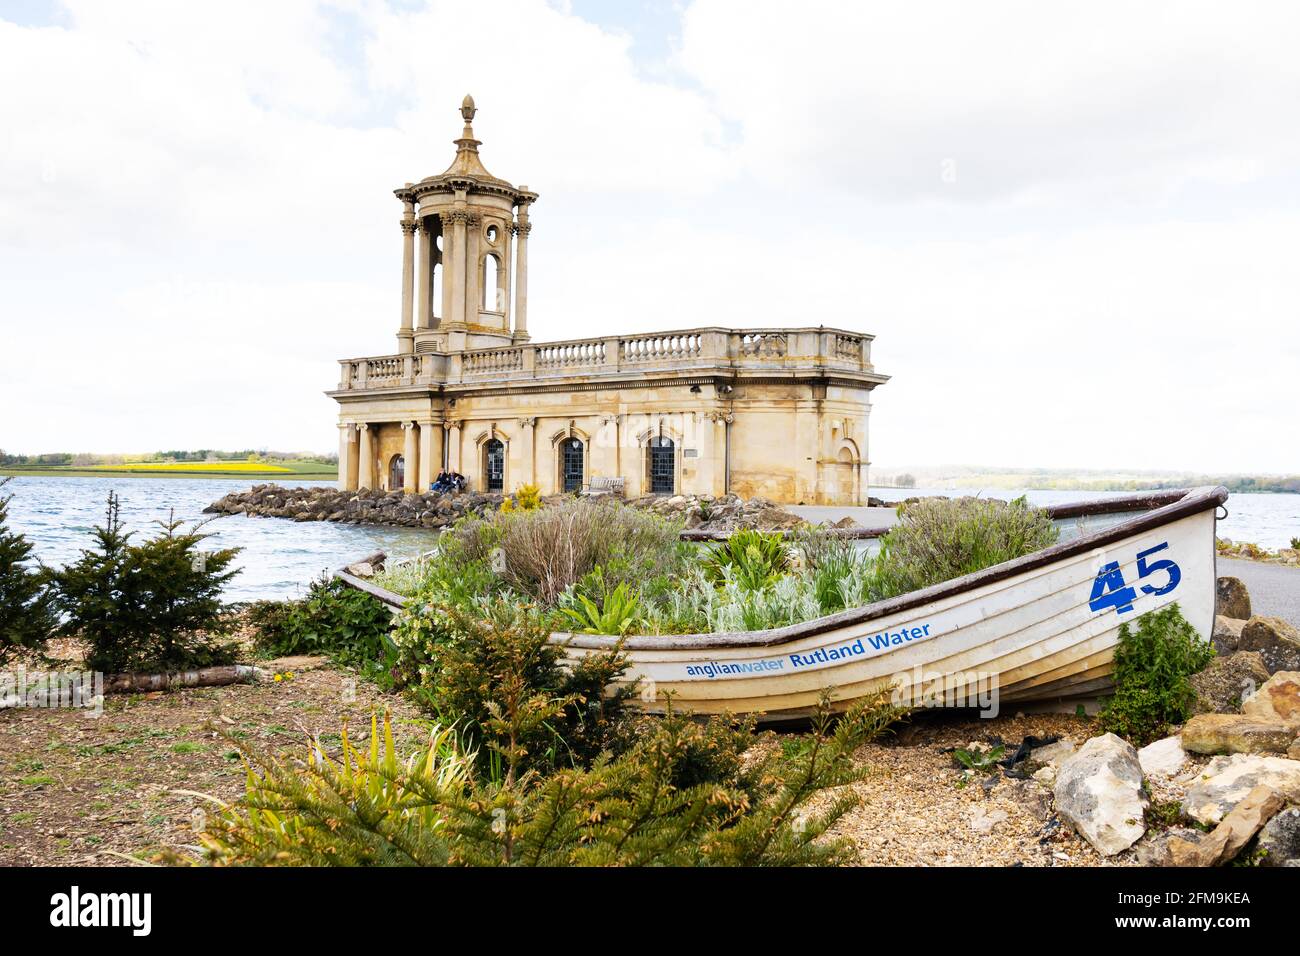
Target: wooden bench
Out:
[605,486]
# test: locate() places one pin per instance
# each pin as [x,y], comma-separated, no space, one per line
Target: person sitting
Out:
[458,481]
[442,483]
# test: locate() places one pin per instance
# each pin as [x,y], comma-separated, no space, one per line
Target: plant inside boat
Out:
[752,559]
[1154,662]
[598,567]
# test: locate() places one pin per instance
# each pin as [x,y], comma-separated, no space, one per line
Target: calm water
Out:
[280,558]
[1267,520]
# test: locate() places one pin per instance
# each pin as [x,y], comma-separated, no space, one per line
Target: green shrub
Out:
[837,569]
[939,539]
[545,552]
[333,619]
[149,606]
[1295,544]
[681,795]
[493,671]
[752,559]
[27,615]
[367,808]
[1153,664]
[612,612]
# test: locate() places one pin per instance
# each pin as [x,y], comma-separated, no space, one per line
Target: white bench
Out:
[605,486]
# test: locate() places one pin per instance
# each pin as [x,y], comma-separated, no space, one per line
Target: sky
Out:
[1072,227]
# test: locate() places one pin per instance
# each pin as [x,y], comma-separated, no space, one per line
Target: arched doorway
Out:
[572,466]
[494,464]
[396,473]
[663,466]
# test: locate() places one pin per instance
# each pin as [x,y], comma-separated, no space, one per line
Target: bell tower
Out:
[464,255]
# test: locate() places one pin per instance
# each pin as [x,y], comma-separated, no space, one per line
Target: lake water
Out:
[1267,520]
[280,558]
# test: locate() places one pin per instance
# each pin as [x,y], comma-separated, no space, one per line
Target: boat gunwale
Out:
[1169,507]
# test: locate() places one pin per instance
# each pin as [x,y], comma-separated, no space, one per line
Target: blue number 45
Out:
[1110,590]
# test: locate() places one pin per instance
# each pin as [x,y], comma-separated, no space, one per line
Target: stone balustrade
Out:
[803,349]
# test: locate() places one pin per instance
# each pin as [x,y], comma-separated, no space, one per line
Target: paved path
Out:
[866,517]
[1274,588]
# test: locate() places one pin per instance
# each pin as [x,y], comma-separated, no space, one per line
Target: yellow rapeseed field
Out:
[193,466]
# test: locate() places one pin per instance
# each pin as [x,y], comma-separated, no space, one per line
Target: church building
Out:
[776,412]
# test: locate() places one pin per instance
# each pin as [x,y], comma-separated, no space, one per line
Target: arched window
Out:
[572,467]
[663,466]
[396,473]
[494,464]
[491,294]
[437,270]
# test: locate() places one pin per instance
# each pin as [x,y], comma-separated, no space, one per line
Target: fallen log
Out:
[203,677]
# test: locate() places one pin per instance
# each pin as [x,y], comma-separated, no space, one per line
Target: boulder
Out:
[1054,754]
[1236,734]
[1238,828]
[1099,793]
[1227,634]
[1223,683]
[1225,781]
[1154,851]
[1279,841]
[1231,599]
[1164,758]
[1276,640]
[1278,698]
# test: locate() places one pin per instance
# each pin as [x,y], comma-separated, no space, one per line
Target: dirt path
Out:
[78,790]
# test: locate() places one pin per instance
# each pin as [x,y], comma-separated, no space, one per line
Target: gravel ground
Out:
[1274,588]
[78,790]
[916,811]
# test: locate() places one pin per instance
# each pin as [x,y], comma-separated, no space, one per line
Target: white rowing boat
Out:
[1039,628]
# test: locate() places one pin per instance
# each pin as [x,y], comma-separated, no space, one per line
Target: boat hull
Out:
[1041,628]
[1044,633]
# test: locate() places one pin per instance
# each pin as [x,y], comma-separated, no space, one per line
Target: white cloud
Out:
[196,215]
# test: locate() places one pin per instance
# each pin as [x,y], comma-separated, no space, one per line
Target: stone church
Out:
[776,412]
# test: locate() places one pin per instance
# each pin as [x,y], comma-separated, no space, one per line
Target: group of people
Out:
[452,481]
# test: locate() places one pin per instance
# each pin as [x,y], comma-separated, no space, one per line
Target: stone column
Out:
[522,228]
[507,269]
[453,447]
[430,454]
[424,310]
[527,451]
[449,266]
[347,456]
[410,458]
[720,422]
[365,458]
[405,341]
[473,282]
[458,270]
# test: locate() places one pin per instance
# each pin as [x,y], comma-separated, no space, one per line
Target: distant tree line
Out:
[63,458]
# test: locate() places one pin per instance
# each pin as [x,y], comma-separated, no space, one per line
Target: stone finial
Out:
[467,109]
